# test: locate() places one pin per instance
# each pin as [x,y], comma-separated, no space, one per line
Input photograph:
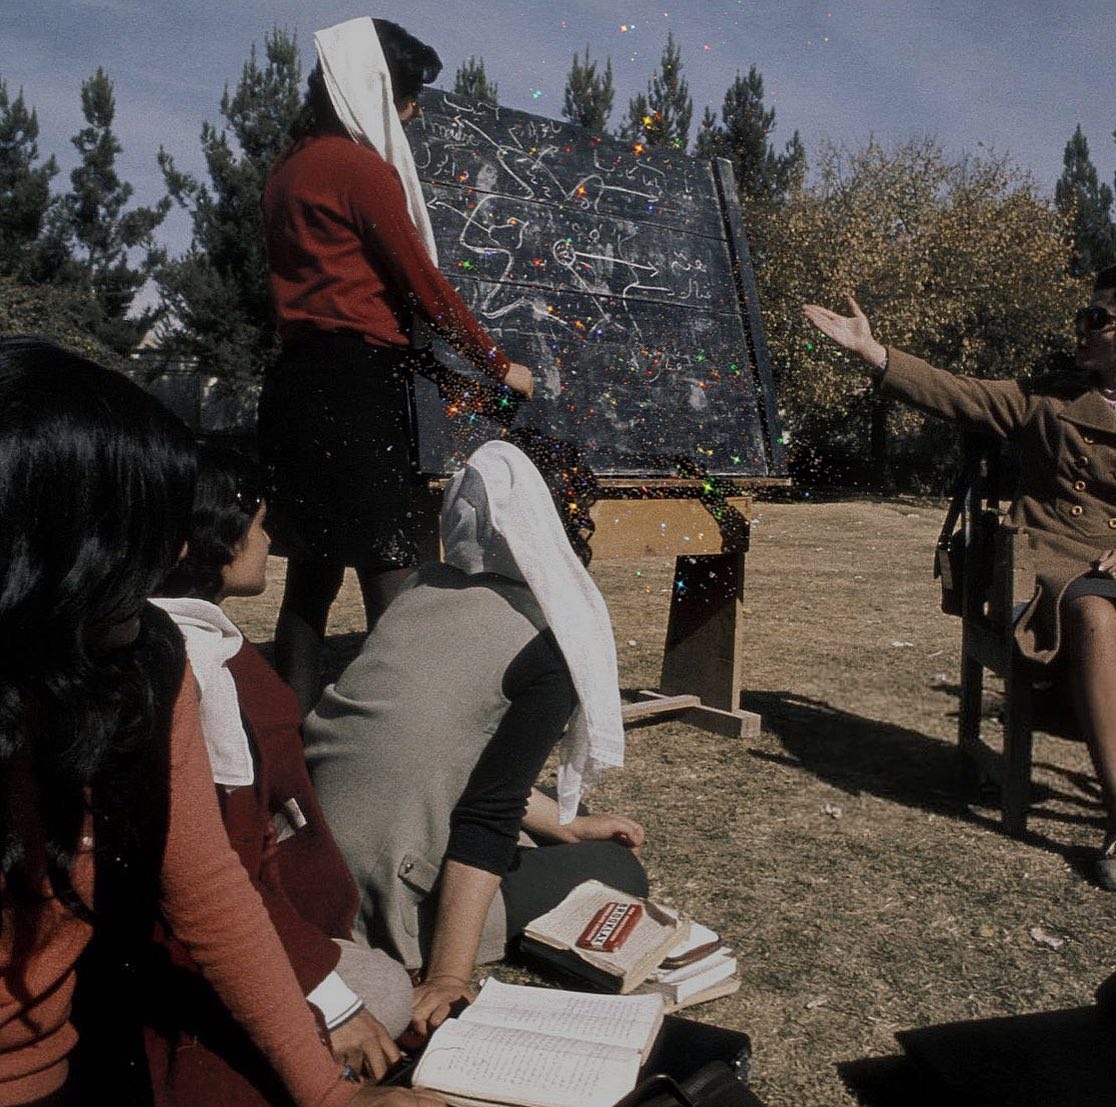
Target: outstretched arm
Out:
[853,332]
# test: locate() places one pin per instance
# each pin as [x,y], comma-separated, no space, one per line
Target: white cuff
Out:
[336,1001]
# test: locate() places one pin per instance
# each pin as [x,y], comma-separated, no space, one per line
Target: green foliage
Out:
[589,94]
[25,199]
[64,314]
[94,236]
[763,177]
[471,81]
[662,116]
[216,294]
[961,263]
[1088,205]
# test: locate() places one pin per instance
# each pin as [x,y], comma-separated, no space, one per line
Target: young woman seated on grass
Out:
[1063,429]
[425,751]
[107,810]
[251,723]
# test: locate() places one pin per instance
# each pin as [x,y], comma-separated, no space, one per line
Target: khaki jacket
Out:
[1064,434]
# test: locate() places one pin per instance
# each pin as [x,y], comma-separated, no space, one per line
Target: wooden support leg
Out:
[1015,795]
[969,714]
[702,655]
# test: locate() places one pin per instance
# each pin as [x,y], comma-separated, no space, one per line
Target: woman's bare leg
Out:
[300,632]
[1089,647]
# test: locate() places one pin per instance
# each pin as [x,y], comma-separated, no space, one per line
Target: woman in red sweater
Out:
[351,275]
[252,729]
[107,810]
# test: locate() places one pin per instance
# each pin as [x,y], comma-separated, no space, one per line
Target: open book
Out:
[540,1047]
[553,938]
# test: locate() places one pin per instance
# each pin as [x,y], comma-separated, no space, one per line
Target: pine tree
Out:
[95,236]
[1079,195]
[762,176]
[25,199]
[588,97]
[216,294]
[472,82]
[662,117]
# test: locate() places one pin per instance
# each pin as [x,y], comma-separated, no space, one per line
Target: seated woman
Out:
[425,751]
[107,811]
[1064,430]
[251,723]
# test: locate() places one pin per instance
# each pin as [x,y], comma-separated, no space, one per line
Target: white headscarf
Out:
[359,85]
[498,517]
[212,639]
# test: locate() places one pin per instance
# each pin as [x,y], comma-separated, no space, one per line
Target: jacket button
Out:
[1076,510]
[1112,523]
[1079,486]
[1083,461]
[1086,439]
[406,867]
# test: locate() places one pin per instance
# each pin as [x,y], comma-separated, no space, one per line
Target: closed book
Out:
[553,938]
[710,978]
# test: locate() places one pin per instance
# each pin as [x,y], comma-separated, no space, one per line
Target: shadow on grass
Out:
[857,754]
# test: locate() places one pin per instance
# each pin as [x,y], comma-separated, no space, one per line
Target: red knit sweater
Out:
[212,907]
[343,254]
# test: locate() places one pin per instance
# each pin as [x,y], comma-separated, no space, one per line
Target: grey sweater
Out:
[391,745]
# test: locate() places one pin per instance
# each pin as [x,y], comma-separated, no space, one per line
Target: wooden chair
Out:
[986,568]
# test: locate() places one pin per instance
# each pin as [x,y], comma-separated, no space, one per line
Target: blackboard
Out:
[620,275]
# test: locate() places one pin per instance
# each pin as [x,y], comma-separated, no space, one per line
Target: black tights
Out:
[308,596]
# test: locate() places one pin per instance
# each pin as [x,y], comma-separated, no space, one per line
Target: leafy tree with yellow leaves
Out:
[963,263]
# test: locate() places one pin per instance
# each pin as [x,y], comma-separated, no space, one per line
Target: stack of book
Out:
[615,942]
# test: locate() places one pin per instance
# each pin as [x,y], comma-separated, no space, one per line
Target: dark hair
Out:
[226,498]
[1106,278]
[410,61]
[411,64]
[96,482]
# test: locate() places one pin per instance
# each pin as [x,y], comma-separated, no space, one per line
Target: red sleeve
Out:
[213,909]
[310,867]
[313,954]
[379,212]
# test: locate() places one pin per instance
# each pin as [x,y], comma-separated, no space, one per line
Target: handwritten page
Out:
[628,1021]
[525,1068]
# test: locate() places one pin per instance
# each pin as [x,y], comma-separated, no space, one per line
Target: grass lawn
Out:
[838,853]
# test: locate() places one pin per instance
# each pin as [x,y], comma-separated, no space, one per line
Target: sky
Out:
[1008,76]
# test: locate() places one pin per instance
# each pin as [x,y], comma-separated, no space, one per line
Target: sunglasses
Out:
[1093,319]
[248,499]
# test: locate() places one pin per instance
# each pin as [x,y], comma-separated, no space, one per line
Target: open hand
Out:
[364,1044]
[520,379]
[1105,565]
[601,828]
[853,332]
[433,999]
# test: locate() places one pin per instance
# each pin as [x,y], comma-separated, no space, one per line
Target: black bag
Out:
[715,1084]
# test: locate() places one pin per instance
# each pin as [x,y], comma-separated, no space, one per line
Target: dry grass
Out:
[901,907]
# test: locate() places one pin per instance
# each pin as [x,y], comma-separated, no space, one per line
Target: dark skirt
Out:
[336,435]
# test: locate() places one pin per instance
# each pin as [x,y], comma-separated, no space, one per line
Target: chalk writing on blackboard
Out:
[606,269]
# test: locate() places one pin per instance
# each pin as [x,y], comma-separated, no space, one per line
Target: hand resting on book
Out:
[364,1044]
[434,998]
